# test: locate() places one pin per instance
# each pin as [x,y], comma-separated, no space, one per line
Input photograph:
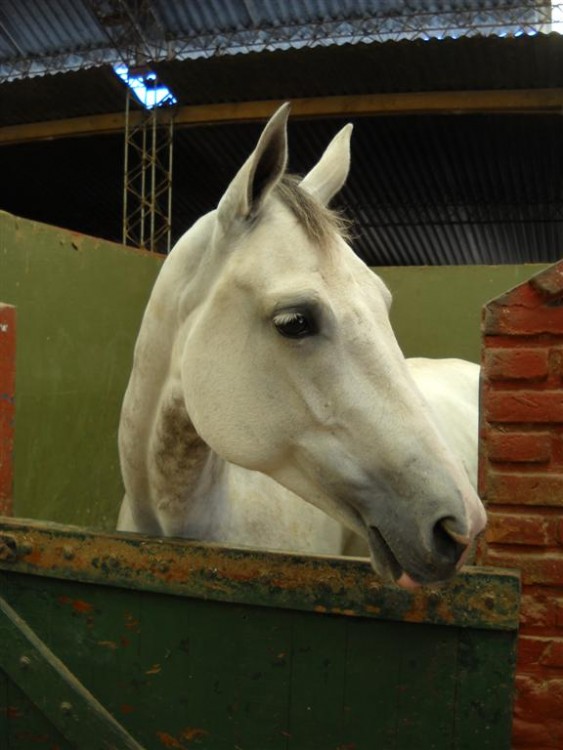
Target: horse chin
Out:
[384,561]
[386,564]
[389,568]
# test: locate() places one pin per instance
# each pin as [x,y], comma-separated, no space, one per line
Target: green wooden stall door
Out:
[194,646]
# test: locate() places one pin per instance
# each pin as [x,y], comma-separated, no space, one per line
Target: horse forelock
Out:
[319,222]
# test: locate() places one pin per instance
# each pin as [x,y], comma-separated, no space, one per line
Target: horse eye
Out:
[295,325]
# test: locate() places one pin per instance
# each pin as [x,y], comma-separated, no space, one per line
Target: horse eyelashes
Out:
[295,325]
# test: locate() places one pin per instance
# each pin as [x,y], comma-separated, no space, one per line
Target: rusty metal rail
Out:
[477,597]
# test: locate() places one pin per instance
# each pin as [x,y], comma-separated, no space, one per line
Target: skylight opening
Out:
[146,87]
[557,17]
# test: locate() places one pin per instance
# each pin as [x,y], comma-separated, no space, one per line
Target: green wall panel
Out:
[80,301]
[436,310]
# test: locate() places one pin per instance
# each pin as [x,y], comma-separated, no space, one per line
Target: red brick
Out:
[535,652]
[557,448]
[527,735]
[7,404]
[522,321]
[516,364]
[549,282]
[556,361]
[531,651]
[481,551]
[519,447]
[482,467]
[536,567]
[539,698]
[514,488]
[553,655]
[498,310]
[532,735]
[522,528]
[539,609]
[538,714]
[526,406]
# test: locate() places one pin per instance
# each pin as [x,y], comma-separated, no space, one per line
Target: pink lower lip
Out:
[406,582]
[464,556]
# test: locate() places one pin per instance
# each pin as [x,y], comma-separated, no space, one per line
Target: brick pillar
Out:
[521,481]
[7,405]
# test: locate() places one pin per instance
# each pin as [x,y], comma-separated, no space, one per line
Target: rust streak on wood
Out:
[344,586]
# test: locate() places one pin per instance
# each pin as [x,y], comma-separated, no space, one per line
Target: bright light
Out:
[557,17]
[146,87]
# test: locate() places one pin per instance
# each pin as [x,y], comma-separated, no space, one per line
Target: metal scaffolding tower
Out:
[135,31]
[147,179]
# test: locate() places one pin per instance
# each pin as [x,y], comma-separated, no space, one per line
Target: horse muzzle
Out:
[412,563]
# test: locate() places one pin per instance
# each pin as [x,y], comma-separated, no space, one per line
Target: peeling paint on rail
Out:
[477,597]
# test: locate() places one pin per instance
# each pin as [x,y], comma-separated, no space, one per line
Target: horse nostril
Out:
[448,543]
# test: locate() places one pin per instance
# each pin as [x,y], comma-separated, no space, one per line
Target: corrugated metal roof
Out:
[423,190]
[466,64]
[457,189]
[38,37]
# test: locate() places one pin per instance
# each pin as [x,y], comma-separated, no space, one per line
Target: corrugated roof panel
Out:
[459,65]
[40,28]
[423,190]
[426,185]
[428,190]
[69,36]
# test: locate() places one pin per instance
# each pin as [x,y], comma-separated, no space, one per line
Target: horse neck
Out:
[182,470]
[154,421]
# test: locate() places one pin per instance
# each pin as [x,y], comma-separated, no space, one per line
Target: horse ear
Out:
[259,174]
[331,171]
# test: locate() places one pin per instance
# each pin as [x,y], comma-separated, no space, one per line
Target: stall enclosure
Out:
[109,637]
[79,304]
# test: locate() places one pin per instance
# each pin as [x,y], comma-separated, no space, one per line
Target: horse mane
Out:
[319,222]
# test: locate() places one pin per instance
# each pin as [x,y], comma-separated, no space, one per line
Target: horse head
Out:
[290,367]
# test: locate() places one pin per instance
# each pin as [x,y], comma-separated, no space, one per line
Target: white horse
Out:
[266,374]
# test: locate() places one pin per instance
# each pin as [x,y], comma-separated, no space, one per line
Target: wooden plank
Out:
[57,693]
[372,683]
[264,678]
[213,641]
[478,597]
[7,405]
[318,680]
[23,726]
[5,710]
[530,101]
[358,105]
[183,672]
[483,710]
[427,684]
[65,128]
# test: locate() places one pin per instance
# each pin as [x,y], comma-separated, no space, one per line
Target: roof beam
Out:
[528,101]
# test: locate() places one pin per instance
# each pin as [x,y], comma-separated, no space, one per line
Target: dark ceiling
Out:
[424,189]
[435,190]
